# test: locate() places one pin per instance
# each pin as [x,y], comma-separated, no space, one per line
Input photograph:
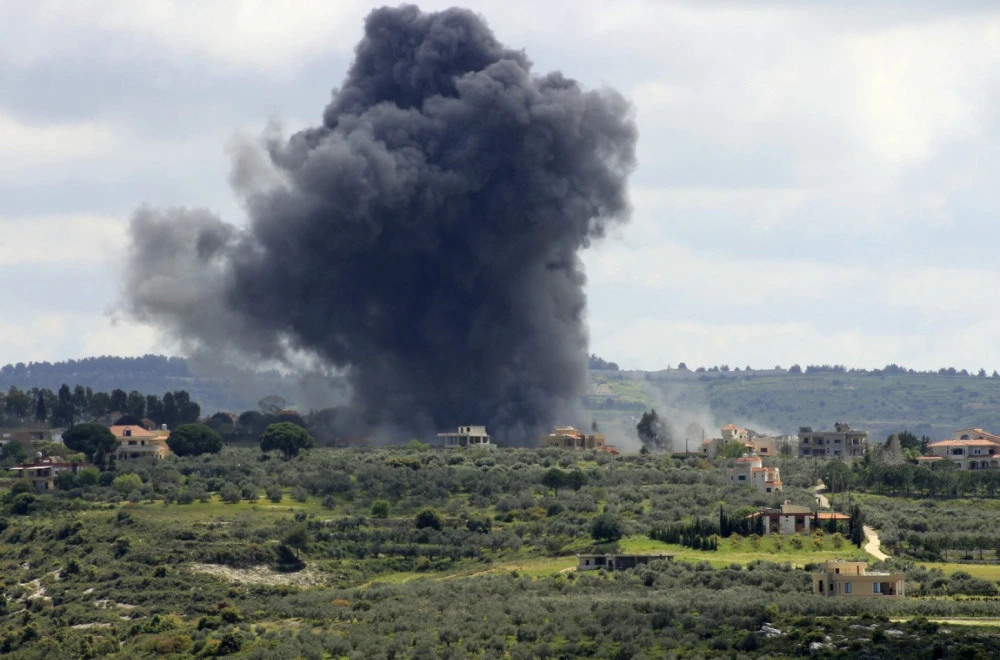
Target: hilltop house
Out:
[842,442]
[750,470]
[467,436]
[852,578]
[137,442]
[42,472]
[970,449]
[568,437]
[793,519]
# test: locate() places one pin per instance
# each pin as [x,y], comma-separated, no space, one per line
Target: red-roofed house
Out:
[971,449]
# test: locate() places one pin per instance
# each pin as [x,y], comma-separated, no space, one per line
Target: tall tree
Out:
[135,405]
[119,401]
[194,440]
[94,440]
[17,404]
[272,404]
[287,438]
[188,411]
[169,416]
[40,412]
[653,432]
[154,408]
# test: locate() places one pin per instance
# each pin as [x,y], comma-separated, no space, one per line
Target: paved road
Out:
[873,546]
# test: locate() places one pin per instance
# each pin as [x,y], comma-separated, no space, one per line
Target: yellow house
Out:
[137,442]
[851,579]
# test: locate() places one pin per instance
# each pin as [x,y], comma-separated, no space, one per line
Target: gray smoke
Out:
[423,240]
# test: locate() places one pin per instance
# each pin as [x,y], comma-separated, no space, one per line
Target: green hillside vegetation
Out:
[410,552]
[779,401]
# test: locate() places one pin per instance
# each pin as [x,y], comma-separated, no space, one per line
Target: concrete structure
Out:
[733,433]
[42,472]
[710,446]
[763,446]
[467,436]
[750,470]
[755,444]
[137,442]
[842,442]
[851,579]
[619,562]
[793,519]
[568,437]
[971,449]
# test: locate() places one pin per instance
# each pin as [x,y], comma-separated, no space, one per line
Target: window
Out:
[742,477]
[876,587]
[847,587]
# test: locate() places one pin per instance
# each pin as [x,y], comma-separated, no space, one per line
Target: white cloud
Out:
[61,239]
[268,36]
[58,336]
[31,145]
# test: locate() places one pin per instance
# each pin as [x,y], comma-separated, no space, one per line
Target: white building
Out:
[467,436]
[750,470]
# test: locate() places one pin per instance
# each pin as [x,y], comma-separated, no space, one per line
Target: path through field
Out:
[873,546]
[820,497]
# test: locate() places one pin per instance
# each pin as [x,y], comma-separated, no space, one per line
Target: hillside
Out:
[151,374]
[781,402]
[776,401]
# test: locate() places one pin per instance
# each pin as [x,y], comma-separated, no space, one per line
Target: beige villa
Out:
[849,579]
[137,442]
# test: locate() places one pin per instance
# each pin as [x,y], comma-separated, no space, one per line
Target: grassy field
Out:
[745,553]
[985,571]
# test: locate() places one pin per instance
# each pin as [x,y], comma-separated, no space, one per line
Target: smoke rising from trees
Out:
[423,240]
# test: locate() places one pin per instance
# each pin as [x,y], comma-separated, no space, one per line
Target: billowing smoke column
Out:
[423,240]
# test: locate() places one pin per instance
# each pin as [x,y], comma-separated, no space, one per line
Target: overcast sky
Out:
[816,183]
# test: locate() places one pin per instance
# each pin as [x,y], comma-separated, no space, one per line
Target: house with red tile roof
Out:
[970,449]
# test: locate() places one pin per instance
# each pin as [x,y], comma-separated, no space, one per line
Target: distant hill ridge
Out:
[881,401]
[148,374]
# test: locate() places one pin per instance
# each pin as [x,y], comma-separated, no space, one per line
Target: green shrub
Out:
[380,509]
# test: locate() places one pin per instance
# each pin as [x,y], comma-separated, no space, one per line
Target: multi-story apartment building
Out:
[842,442]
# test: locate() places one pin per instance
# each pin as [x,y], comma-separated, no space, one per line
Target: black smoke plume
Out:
[423,240]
